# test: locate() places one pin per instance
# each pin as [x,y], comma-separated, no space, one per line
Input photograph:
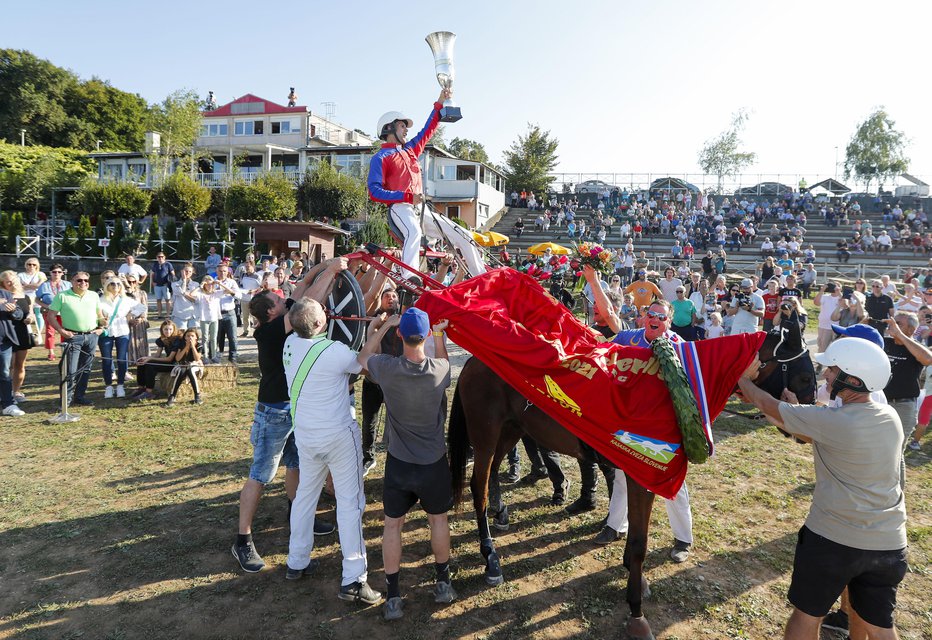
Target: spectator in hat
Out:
[746,309]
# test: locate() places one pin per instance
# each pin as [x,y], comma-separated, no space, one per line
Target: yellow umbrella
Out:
[541,247]
[490,239]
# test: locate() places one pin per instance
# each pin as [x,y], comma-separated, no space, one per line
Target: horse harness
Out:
[783,362]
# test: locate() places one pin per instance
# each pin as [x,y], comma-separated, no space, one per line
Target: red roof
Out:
[267,108]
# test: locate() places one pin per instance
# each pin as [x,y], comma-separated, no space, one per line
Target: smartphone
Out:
[846,293]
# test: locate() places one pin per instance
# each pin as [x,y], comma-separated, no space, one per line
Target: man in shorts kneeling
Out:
[416,467]
[855,534]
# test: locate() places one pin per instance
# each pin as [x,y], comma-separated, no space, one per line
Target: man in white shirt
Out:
[183,310]
[827,301]
[227,329]
[130,267]
[747,308]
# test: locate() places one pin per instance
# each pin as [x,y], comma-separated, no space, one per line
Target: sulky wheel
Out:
[346,301]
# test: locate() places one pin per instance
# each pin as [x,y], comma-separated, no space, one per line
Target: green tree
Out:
[69,243]
[154,235]
[16,228]
[530,159]
[375,230]
[270,197]
[171,230]
[114,199]
[181,197]
[720,156]
[239,243]
[877,151]
[327,192]
[118,240]
[185,240]
[100,233]
[32,97]
[468,150]
[85,237]
[102,112]
[178,121]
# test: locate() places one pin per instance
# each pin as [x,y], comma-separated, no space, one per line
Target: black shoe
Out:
[533,477]
[512,475]
[559,494]
[198,399]
[359,592]
[249,559]
[836,621]
[297,574]
[607,536]
[81,402]
[680,552]
[580,505]
[367,466]
[322,527]
[170,402]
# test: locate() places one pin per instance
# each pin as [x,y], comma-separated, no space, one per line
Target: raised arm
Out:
[601,300]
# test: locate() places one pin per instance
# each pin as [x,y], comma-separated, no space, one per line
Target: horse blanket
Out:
[609,395]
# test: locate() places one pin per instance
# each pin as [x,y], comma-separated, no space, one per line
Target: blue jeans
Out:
[272,438]
[6,382]
[106,354]
[80,351]
[227,332]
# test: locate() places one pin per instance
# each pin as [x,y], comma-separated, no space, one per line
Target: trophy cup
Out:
[441,45]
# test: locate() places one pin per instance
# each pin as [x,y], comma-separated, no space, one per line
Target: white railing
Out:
[27,246]
[221,180]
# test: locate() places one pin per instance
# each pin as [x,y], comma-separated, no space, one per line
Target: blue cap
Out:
[414,322]
[863,331]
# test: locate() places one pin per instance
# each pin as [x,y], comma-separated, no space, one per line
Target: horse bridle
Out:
[783,362]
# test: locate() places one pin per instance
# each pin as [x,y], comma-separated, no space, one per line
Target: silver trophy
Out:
[441,45]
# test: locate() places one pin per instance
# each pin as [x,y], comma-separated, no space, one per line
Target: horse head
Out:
[785,364]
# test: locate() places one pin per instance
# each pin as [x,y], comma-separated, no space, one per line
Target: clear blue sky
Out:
[625,86]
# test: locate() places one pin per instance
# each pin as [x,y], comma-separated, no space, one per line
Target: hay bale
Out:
[211,377]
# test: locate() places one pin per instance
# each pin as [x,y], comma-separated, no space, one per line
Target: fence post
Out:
[17,246]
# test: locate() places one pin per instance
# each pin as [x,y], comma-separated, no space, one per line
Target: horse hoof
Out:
[493,570]
[500,521]
[494,581]
[638,629]
[499,526]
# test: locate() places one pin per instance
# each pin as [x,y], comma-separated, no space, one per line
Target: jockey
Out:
[657,323]
[395,180]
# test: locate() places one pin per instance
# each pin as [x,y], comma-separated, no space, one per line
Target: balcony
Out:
[221,180]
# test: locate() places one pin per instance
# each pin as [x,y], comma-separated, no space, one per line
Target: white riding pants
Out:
[339,452]
[406,220]
[678,511]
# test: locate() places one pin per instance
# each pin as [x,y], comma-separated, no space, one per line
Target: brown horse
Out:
[491,415]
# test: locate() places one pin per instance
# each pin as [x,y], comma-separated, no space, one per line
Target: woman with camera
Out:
[850,309]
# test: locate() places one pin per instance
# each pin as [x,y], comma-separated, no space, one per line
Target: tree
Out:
[327,192]
[239,244]
[114,199]
[181,197]
[101,112]
[178,121]
[468,150]
[32,97]
[154,235]
[876,151]
[530,159]
[720,156]
[185,240]
[270,197]
[16,228]
[85,235]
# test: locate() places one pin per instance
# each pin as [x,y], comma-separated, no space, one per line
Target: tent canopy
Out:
[830,184]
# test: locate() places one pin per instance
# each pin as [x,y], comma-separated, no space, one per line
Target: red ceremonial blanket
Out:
[609,395]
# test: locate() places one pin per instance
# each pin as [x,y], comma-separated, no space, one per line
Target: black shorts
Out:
[405,483]
[822,569]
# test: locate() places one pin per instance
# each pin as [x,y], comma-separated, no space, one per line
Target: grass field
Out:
[120,525]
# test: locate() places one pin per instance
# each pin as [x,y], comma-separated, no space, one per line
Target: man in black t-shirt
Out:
[272,433]
[878,306]
[907,359]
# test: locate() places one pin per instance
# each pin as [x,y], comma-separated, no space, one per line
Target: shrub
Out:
[270,197]
[188,234]
[327,192]
[239,244]
[85,235]
[152,245]
[114,199]
[183,198]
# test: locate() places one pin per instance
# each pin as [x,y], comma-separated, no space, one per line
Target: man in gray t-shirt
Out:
[416,467]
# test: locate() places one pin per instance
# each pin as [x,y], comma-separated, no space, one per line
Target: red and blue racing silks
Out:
[394,171]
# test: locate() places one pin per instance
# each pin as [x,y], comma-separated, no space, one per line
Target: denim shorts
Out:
[272,438]
[161,291]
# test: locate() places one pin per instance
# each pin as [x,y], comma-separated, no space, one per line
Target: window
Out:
[113,171]
[214,130]
[350,165]
[446,172]
[285,126]
[137,171]
[465,172]
[247,128]
[453,211]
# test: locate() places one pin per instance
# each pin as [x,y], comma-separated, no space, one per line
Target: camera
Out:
[742,299]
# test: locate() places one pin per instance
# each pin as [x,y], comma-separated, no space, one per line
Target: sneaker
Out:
[120,391]
[234,358]
[393,609]
[836,621]
[367,466]
[914,445]
[108,392]
[359,592]
[170,402]
[512,476]
[559,494]
[321,527]
[249,559]
[580,505]
[198,399]
[444,593]
[20,397]
[145,395]
[680,552]
[607,536]
[13,411]
[297,574]
[82,402]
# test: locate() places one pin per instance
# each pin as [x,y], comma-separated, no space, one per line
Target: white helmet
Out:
[865,366]
[387,119]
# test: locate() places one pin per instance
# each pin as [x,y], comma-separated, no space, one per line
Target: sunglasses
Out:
[56,271]
[657,314]
[82,280]
[131,281]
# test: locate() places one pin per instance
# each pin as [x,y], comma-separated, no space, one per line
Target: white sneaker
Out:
[120,391]
[14,411]
[108,393]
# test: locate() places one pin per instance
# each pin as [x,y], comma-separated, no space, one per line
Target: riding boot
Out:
[588,481]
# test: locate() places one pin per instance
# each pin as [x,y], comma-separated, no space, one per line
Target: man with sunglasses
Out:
[80,326]
[879,307]
[162,275]
[656,323]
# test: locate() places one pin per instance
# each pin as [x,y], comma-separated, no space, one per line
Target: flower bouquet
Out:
[596,256]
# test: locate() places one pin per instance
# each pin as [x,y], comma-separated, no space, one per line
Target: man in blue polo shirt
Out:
[162,275]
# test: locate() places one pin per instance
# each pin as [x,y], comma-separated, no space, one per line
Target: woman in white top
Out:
[206,301]
[116,307]
[31,279]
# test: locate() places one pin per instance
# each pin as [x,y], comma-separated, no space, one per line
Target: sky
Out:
[625,86]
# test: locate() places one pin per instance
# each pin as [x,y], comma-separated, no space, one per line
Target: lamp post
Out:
[22,137]
[98,144]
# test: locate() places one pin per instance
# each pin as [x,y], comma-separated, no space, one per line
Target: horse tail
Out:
[458,444]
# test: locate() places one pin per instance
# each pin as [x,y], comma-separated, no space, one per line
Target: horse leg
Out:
[496,504]
[480,495]
[640,503]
